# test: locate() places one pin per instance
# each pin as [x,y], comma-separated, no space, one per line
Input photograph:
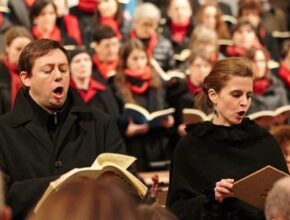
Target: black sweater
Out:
[209,153]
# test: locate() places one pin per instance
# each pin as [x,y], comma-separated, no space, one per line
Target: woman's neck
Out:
[82,83]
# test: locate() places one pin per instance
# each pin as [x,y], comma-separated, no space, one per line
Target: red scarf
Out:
[112,23]
[29,3]
[261,85]
[152,42]
[54,35]
[1,19]
[234,50]
[73,28]
[105,68]
[89,6]
[192,88]
[15,80]
[178,32]
[94,88]
[138,80]
[284,73]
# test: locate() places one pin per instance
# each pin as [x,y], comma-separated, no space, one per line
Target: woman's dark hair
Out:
[285,49]
[217,79]
[38,6]
[120,79]
[241,24]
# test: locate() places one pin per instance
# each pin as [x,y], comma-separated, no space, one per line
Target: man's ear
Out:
[25,79]
[212,96]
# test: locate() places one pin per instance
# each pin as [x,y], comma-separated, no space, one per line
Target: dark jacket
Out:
[209,153]
[5,89]
[274,97]
[30,160]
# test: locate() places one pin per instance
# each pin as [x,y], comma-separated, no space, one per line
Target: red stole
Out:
[29,3]
[284,73]
[94,88]
[178,32]
[15,80]
[105,68]
[112,23]
[261,85]
[54,35]
[1,19]
[138,80]
[192,88]
[234,50]
[89,6]
[73,28]
[152,42]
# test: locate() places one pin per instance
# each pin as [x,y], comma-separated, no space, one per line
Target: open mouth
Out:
[241,113]
[58,90]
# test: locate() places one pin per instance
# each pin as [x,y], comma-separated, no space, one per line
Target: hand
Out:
[134,129]
[223,189]
[168,122]
[181,130]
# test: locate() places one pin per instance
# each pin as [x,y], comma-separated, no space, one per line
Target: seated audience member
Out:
[110,12]
[199,66]
[284,70]
[179,25]
[273,18]
[250,10]
[154,212]
[203,38]
[106,54]
[5,24]
[14,40]
[43,15]
[282,135]
[48,132]
[269,92]
[215,154]
[67,22]
[84,11]
[278,201]
[87,199]
[210,16]
[244,38]
[91,91]
[136,82]
[19,12]
[145,23]
[5,211]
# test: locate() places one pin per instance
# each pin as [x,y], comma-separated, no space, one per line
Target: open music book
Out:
[191,115]
[253,188]
[105,162]
[140,115]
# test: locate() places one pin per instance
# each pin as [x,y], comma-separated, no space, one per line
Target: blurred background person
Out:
[15,39]
[269,92]
[144,28]
[43,14]
[136,82]
[90,90]
[284,69]
[210,16]
[278,201]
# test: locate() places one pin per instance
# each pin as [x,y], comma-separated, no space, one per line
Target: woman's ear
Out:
[212,95]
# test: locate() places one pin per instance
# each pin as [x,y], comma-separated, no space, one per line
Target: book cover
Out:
[106,162]
[191,115]
[140,115]
[253,188]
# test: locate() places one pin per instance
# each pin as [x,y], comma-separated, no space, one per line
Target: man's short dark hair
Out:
[103,32]
[34,50]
